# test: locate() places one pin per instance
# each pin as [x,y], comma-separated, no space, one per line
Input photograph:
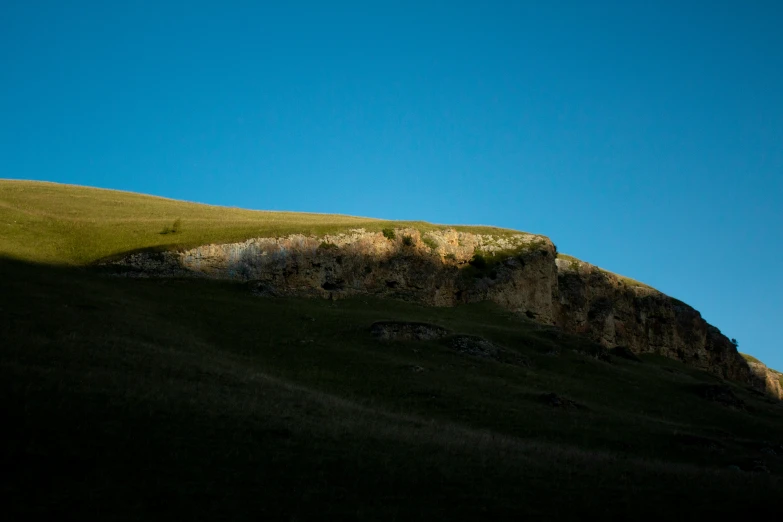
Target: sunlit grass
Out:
[627,280]
[66,224]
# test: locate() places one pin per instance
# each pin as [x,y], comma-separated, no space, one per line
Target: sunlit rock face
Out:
[769,378]
[520,272]
[434,269]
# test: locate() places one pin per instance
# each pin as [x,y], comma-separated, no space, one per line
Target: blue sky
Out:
[643,137]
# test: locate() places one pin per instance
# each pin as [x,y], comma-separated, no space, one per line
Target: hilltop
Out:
[301,366]
[74,225]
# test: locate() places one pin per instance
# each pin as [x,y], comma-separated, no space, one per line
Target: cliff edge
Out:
[520,272]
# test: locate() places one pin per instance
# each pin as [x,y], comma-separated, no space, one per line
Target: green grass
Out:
[65,224]
[192,398]
[750,358]
[138,398]
[560,255]
[389,233]
[430,242]
[485,263]
[626,280]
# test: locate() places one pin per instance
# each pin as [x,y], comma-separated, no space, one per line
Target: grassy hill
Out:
[164,398]
[54,223]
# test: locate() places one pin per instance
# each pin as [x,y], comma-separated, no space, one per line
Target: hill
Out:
[66,224]
[201,397]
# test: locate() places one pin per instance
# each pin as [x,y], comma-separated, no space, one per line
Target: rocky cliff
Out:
[617,311]
[520,272]
[767,379]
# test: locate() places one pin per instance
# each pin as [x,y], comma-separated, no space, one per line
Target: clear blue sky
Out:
[644,137]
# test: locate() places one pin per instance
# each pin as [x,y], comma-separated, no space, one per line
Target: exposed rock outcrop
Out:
[407,331]
[520,272]
[770,378]
[617,311]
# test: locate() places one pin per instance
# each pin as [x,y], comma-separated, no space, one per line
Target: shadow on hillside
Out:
[190,398]
[82,279]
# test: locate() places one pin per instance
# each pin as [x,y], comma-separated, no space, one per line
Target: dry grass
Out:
[626,280]
[66,224]
[750,358]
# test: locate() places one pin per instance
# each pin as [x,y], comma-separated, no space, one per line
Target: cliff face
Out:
[519,272]
[618,312]
[771,380]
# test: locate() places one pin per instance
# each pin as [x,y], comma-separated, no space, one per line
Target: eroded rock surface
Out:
[615,311]
[407,331]
[771,379]
[474,346]
[519,272]
[411,266]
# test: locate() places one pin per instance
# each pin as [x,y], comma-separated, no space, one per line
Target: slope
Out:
[175,398]
[54,223]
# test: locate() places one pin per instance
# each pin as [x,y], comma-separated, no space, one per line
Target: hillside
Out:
[183,390]
[62,224]
[66,224]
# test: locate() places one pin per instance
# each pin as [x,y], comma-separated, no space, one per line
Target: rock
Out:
[766,378]
[519,272]
[407,331]
[475,346]
[614,311]
[520,275]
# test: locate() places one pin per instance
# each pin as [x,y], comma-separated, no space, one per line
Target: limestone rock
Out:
[613,311]
[769,378]
[519,272]
[407,331]
[521,278]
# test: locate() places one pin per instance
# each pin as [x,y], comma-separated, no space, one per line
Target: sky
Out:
[643,137]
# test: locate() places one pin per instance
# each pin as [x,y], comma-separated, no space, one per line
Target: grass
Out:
[65,224]
[187,398]
[626,280]
[389,233]
[750,358]
[560,255]
[166,398]
[430,242]
[485,263]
